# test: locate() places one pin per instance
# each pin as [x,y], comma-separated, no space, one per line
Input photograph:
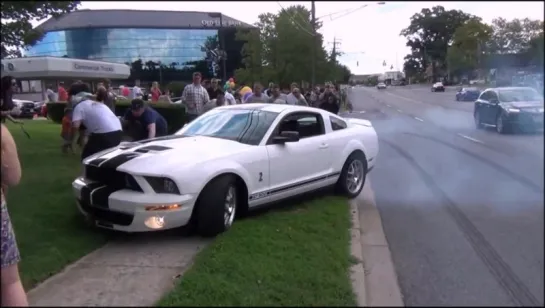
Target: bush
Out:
[174,114]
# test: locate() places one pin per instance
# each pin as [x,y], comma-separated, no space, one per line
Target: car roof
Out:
[508,88]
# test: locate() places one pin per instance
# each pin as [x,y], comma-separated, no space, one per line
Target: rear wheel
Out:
[353,175]
[217,206]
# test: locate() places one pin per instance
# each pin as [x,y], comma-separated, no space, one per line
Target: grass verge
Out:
[49,230]
[291,257]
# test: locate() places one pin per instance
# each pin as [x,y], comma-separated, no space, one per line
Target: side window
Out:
[337,124]
[485,96]
[307,124]
[492,96]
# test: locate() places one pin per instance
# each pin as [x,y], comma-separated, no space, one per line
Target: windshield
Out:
[247,126]
[519,95]
[471,90]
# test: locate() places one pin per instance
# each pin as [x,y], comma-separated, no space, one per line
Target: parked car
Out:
[381,85]
[182,179]
[23,108]
[438,87]
[509,108]
[467,94]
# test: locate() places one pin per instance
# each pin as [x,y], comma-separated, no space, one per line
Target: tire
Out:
[342,186]
[501,127]
[457,99]
[478,122]
[212,208]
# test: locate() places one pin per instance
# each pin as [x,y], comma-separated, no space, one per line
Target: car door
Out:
[296,166]
[481,106]
[494,108]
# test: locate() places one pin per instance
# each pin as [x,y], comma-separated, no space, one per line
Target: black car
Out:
[467,94]
[509,108]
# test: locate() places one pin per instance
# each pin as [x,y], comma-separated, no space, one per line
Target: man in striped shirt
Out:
[194,98]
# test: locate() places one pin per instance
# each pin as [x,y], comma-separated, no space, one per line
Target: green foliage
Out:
[429,34]
[469,43]
[514,36]
[176,88]
[173,114]
[17,30]
[279,50]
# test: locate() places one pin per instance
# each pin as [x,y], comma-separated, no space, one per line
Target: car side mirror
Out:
[286,136]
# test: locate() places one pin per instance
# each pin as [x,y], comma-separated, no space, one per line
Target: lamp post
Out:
[221,40]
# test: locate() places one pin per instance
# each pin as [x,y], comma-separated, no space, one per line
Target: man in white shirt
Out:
[136,92]
[229,98]
[103,127]
[52,97]
[295,98]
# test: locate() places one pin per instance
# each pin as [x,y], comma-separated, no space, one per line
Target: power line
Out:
[297,25]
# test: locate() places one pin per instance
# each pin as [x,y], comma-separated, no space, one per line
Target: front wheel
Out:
[217,206]
[353,174]
[501,126]
[478,121]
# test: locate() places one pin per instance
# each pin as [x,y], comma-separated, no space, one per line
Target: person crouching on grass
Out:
[66,131]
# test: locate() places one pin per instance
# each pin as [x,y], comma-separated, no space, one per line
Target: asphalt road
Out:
[462,209]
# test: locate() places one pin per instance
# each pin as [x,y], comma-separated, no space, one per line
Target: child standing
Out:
[66,131]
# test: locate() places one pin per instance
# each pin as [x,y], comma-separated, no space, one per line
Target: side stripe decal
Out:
[264,194]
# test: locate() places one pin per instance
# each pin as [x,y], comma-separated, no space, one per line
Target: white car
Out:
[229,160]
[381,85]
[438,87]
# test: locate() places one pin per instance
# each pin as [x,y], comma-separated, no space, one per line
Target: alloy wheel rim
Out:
[354,176]
[230,206]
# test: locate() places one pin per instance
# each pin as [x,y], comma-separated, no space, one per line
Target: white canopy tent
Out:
[51,68]
[38,69]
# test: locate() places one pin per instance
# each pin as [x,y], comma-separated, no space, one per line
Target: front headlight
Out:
[540,110]
[162,185]
[513,110]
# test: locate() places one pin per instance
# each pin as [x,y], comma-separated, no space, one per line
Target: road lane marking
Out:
[388,105]
[362,111]
[418,119]
[399,110]
[469,138]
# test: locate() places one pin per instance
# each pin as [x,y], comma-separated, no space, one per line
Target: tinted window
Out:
[337,124]
[485,96]
[242,125]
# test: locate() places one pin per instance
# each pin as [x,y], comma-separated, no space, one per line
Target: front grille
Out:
[106,216]
[112,178]
[28,105]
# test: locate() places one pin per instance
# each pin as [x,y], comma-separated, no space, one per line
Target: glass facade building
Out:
[170,47]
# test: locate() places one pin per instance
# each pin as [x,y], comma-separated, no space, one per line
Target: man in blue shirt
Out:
[144,122]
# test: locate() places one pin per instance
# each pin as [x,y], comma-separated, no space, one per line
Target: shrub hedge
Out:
[174,114]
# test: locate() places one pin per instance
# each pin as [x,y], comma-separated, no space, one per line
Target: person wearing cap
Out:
[145,122]
[102,126]
[194,97]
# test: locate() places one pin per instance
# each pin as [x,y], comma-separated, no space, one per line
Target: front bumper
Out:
[525,120]
[125,210]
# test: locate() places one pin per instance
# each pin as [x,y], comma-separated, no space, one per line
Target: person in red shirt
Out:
[155,92]
[66,131]
[63,95]
[125,92]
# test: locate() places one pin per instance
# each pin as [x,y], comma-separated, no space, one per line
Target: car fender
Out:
[207,171]
[349,148]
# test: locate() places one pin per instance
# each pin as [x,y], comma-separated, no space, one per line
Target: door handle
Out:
[323,146]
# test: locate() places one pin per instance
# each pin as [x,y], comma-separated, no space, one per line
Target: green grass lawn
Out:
[49,230]
[297,256]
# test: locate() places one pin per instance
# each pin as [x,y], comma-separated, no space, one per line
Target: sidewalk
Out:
[134,270]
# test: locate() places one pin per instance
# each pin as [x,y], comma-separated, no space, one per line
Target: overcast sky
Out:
[369,36]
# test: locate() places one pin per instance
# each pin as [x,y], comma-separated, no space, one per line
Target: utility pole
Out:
[222,46]
[314,43]
[334,51]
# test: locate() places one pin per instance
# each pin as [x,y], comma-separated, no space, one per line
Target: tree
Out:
[514,36]
[468,45]
[278,50]
[17,31]
[430,33]
[536,50]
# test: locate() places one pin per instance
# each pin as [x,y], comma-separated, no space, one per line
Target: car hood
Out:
[526,104]
[160,155]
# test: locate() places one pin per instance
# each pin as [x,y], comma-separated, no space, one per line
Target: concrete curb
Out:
[357,271]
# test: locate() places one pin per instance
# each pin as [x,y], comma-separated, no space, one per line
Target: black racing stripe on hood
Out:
[169,137]
[118,160]
[156,148]
[96,162]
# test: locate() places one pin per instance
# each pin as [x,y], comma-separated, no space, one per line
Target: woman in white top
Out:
[102,126]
